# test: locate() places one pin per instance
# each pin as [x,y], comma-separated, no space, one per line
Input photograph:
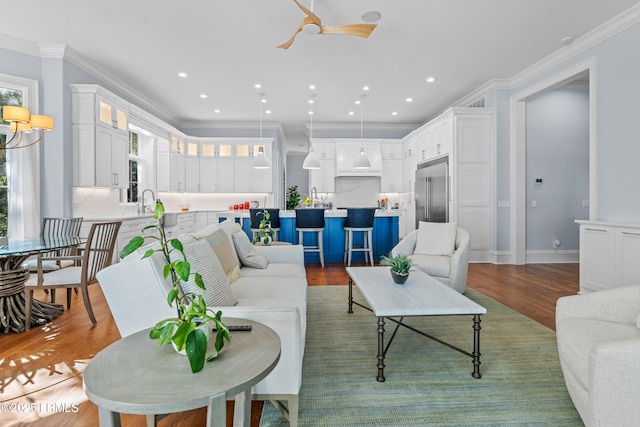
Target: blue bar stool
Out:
[311,221]
[274,218]
[359,220]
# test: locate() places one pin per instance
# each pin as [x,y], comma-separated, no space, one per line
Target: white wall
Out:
[557,150]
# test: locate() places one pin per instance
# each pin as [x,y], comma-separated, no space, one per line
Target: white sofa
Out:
[599,348]
[450,270]
[275,296]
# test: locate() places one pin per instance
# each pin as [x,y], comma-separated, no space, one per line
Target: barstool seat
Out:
[359,220]
[274,218]
[311,221]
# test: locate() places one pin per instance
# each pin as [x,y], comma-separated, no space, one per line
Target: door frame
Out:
[518,157]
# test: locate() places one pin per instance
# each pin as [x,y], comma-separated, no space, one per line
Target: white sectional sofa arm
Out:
[460,261]
[614,373]
[618,305]
[282,254]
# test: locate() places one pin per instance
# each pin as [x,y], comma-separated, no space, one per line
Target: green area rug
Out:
[427,384]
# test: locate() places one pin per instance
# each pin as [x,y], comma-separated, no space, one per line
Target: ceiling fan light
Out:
[311,29]
[311,161]
[361,161]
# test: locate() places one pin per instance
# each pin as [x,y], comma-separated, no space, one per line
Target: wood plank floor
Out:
[44,366]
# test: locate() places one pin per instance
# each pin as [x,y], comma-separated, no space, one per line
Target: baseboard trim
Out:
[553,257]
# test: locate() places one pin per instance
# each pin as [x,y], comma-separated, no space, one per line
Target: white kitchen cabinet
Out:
[201,221]
[348,150]
[323,179]
[324,150]
[242,175]
[170,174]
[391,180]
[130,228]
[465,135]
[100,138]
[185,223]
[392,150]
[609,254]
[409,165]
[192,174]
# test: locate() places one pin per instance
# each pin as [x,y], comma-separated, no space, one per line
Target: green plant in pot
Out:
[293,197]
[400,266]
[264,234]
[185,331]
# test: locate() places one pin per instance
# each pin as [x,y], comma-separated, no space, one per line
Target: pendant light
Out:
[361,161]
[311,161]
[261,161]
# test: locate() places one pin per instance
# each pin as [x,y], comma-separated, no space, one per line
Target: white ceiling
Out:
[226,46]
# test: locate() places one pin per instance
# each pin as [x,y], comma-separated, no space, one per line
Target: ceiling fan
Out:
[311,24]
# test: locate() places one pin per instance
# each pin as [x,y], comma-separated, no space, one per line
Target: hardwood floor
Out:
[41,369]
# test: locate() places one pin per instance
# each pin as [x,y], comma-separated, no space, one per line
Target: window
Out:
[8,96]
[134,169]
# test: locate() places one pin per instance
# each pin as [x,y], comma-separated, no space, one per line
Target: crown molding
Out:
[18,45]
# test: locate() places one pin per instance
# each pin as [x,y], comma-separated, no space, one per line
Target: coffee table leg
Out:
[350,297]
[217,411]
[476,346]
[380,377]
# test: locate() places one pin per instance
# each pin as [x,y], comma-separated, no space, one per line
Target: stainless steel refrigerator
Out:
[432,191]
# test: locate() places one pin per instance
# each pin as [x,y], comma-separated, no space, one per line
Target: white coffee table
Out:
[421,295]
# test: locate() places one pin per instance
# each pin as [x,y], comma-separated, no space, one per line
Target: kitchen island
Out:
[385,232]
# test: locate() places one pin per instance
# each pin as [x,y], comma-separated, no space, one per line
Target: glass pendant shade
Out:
[261,161]
[311,161]
[361,161]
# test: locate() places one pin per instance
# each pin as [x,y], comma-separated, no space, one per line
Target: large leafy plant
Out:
[191,309]
[293,197]
[400,264]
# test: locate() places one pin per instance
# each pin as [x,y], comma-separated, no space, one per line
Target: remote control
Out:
[237,328]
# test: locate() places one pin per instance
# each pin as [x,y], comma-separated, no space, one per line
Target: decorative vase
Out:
[205,327]
[400,279]
[266,240]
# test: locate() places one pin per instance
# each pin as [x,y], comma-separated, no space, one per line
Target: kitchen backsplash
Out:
[358,192]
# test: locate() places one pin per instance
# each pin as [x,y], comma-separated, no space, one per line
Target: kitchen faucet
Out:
[142,208]
[314,196]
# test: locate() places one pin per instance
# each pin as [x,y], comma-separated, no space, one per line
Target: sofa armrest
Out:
[407,245]
[614,375]
[460,262]
[287,322]
[282,254]
[618,305]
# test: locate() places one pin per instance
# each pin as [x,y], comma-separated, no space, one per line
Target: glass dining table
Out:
[13,278]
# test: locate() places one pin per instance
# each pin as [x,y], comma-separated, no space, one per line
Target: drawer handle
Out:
[596,229]
[630,233]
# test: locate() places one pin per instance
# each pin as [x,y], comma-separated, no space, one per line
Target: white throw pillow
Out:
[436,238]
[203,260]
[249,257]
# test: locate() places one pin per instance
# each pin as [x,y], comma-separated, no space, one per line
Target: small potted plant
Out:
[400,267]
[265,232]
[293,197]
[188,331]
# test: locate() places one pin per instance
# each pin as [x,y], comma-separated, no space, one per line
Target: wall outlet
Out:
[556,243]
[534,203]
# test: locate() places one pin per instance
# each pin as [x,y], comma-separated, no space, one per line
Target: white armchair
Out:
[450,270]
[599,348]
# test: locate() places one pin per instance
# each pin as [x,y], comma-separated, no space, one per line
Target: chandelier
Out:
[20,122]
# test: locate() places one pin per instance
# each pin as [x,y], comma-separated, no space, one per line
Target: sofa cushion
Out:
[433,265]
[436,238]
[276,269]
[249,257]
[203,260]
[576,338]
[280,289]
[222,246]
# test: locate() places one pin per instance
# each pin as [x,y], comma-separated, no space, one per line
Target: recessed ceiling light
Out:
[268,111]
[431,79]
[358,102]
[203,95]
[257,85]
[394,113]
[263,100]
[365,88]
[351,113]
[311,113]
[182,74]
[312,87]
[311,101]
[371,16]
[217,111]
[409,99]
[567,40]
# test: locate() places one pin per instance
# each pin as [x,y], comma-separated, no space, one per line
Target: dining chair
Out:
[97,254]
[55,227]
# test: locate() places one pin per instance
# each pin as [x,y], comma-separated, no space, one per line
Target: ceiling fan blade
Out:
[286,44]
[314,18]
[360,30]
